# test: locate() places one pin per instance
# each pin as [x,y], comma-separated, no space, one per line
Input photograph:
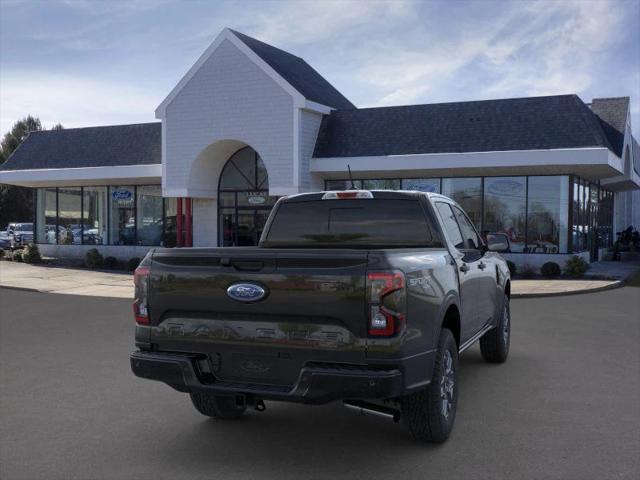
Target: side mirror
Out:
[497,242]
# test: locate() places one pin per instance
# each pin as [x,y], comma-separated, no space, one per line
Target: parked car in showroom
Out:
[20,234]
[364,297]
[5,241]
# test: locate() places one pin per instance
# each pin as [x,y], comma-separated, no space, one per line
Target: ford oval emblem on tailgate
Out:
[246,292]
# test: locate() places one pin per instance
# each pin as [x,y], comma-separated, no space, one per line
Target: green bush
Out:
[1,252]
[31,254]
[133,263]
[93,258]
[550,269]
[576,266]
[512,267]
[16,256]
[110,263]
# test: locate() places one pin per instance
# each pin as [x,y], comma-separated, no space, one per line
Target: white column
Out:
[205,222]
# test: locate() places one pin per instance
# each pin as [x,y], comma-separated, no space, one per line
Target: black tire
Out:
[494,345]
[217,406]
[424,411]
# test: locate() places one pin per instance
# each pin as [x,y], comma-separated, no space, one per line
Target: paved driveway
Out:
[566,405]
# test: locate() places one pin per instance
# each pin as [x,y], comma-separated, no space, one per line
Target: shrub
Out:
[550,269]
[133,263]
[16,256]
[110,263]
[576,266]
[68,236]
[31,254]
[1,252]
[93,258]
[527,271]
[512,267]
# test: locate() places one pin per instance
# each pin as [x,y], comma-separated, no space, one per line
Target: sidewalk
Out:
[73,281]
[77,281]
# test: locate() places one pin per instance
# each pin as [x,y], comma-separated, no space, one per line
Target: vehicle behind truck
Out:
[364,297]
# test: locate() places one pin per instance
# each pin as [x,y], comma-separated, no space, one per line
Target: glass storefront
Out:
[468,193]
[533,211]
[243,200]
[121,215]
[422,184]
[94,214]
[47,216]
[149,215]
[547,214]
[69,216]
[169,236]
[505,209]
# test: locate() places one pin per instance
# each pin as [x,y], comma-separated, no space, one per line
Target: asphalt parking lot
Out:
[566,405]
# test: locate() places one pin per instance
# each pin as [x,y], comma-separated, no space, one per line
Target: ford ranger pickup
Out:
[363,297]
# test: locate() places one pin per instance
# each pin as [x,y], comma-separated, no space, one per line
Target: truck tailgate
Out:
[313,311]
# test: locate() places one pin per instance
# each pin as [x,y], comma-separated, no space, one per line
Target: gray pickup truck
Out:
[365,297]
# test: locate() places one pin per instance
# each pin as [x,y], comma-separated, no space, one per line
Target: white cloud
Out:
[534,48]
[308,21]
[72,100]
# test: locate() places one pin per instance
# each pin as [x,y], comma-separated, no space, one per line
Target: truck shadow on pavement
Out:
[317,439]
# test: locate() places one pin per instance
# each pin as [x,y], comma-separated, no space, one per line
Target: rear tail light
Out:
[387,303]
[347,194]
[140,301]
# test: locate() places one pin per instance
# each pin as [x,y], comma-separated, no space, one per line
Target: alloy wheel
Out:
[447,384]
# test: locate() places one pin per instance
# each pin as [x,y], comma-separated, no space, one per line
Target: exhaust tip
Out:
[373,410]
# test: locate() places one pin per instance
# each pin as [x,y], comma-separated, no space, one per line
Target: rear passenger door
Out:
[485,284]
[469,275]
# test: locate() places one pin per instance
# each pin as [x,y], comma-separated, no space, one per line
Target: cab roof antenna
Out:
[353,185]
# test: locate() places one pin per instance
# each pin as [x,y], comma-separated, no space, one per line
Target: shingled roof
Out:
[612,113]
[532,123]
[114,145]
[298,73]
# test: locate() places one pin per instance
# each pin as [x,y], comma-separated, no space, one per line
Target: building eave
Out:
[592,163]
[60,177]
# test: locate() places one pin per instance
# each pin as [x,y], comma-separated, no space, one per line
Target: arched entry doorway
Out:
[243,199]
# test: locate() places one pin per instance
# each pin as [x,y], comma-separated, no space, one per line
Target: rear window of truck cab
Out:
[352,223]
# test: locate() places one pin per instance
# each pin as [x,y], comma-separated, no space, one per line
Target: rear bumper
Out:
[320,383]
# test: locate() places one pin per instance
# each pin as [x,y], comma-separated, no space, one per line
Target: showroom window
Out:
[149,215]
[533,211]
[341,184]
[505,209]
[122,217]
[468,193]
[46,215]
[421,184]
[381,184]
[547,215]
[69,216]
[94,214]
[169,236]
[105,215]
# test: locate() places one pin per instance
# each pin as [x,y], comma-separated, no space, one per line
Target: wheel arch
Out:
[451,320]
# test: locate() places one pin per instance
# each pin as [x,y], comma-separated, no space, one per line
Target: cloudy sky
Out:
[82,62]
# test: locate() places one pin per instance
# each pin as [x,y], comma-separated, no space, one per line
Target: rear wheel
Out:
[217,406]
[430,413]
[494,345]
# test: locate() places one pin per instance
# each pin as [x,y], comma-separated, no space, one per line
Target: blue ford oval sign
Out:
[121,194]
[246,292]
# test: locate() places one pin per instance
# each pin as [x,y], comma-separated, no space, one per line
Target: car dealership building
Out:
[249,123]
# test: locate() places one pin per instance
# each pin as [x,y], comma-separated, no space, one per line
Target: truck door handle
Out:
[464,268]
[482,266]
